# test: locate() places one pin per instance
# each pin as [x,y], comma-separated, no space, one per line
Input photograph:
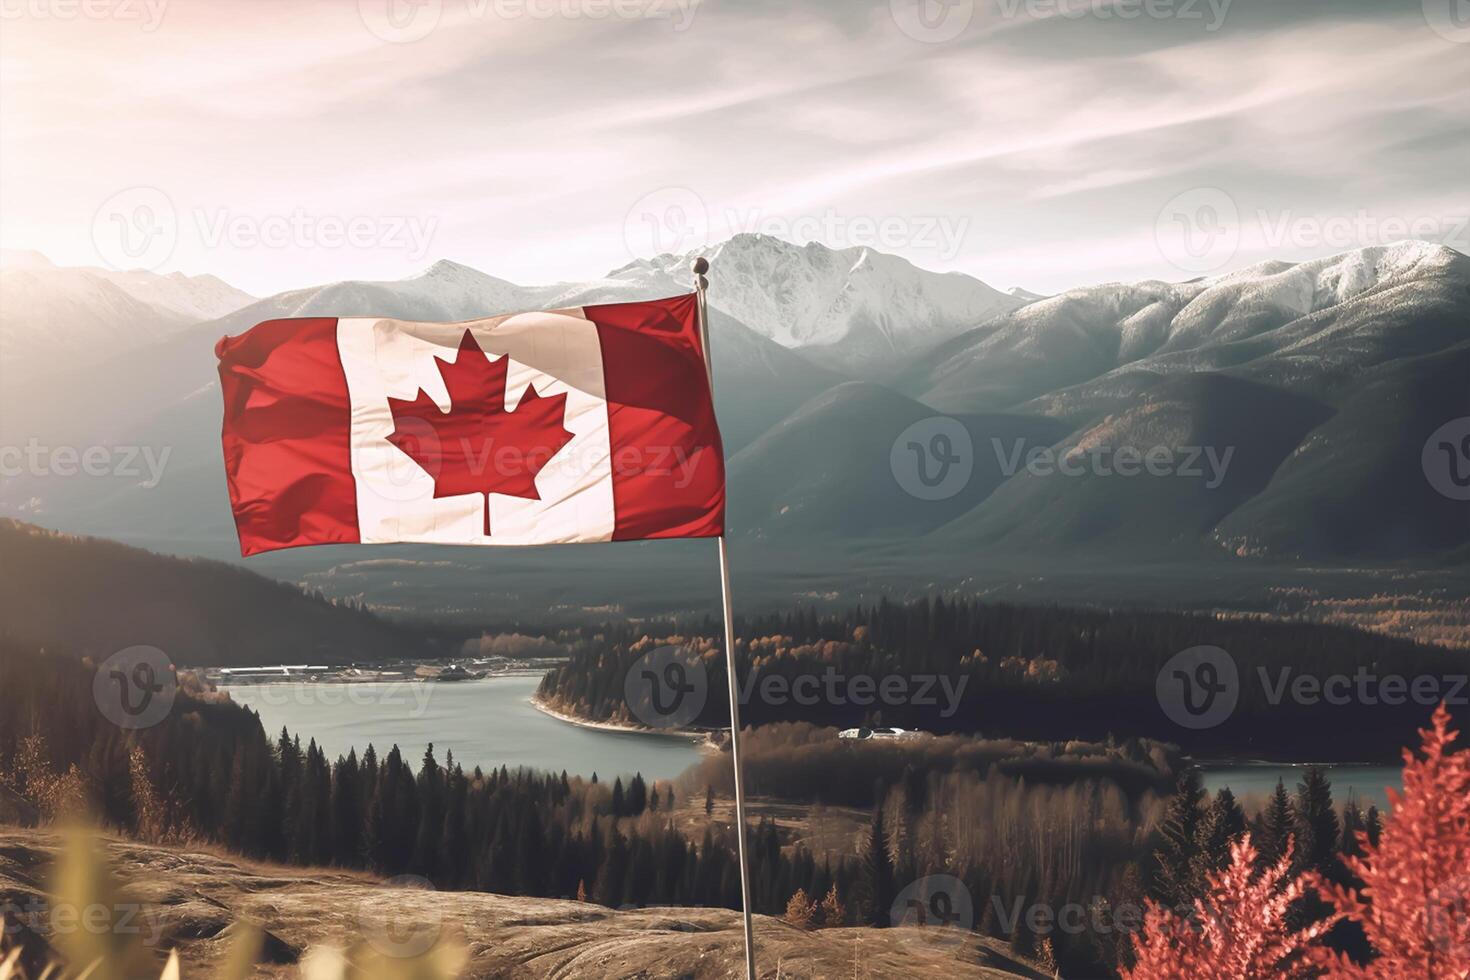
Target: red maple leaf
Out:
[478,446]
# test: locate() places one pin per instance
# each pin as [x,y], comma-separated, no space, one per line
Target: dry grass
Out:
[312,923]
[99,945]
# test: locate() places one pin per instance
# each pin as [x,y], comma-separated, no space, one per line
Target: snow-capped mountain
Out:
[1289,324]
[61,318]
[196,298]
[854,309]
[444,291]
[52,316]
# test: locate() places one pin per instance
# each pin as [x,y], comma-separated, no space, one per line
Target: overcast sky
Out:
[1039,143]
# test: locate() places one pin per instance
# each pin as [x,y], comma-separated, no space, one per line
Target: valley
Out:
[1313,386]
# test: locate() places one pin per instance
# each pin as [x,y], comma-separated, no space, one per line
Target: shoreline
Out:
[702,739]
[1215,765]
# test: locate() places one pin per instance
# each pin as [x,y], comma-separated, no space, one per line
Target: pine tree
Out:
[1317,827]
[612,877]
[530,872]
[454,836]
[1278,826]
[876,875]
[347,816]
[1317,835]
[1373,825]
[1222,826]
[239,800]
[1352,825]
[1175,884]
[430,823]
[375,833]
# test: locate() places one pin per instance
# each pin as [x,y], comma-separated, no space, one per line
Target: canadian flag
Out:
[577,425]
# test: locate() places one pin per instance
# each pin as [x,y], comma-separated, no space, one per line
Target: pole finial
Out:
[700,266]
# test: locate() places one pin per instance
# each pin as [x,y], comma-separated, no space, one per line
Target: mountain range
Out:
[1285,405]
[74,316]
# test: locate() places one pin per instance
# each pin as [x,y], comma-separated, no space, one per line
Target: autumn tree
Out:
[800,910]
[1407,890]
[833,913]
[1239,929]
[150,813]
[1416,877]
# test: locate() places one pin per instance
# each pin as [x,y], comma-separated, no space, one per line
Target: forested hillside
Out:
[93,596]
[965,666]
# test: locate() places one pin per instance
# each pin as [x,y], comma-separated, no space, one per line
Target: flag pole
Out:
[700,267]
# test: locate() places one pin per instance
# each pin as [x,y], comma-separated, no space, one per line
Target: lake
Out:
[1365,782]
[488,723]
[491,722]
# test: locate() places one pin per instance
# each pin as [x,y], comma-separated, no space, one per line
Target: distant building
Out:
[282,670]
[883,734]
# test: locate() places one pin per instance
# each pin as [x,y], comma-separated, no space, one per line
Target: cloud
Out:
[526,140]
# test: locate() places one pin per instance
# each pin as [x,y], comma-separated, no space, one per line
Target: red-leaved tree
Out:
[1239,929]
[1415,901]
[1414,904]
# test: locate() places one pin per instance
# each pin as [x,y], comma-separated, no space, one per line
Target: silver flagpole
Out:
[701,266]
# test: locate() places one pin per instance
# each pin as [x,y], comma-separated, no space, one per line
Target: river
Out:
[488,723]
[1367,783]
[491,722]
